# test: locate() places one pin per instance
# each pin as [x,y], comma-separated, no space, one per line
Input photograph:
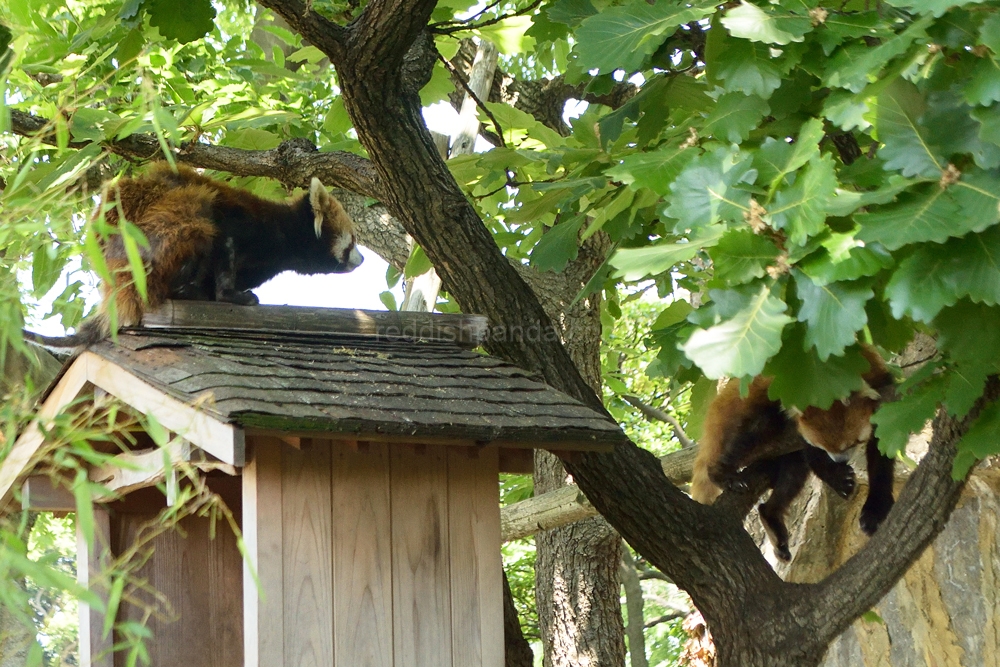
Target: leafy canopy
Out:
[802,175]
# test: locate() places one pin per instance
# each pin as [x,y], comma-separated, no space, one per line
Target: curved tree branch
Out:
[627,486]
[324,34]
[921,512]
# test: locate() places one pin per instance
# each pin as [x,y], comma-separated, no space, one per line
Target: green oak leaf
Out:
[843,26]
[673,314]
[747,67]
[800,209]
[193,22]
[989,32]
[926,215]
[886,331]
[775,159]
[983,88]
[978,196]
[637,263]
[989,123]
[624,37]
[741,345]
[952,128]
[846,202]
[965,386]
[895,421]
[860,262]
[908,146]
[655,170]
[801,379]
[935,7]
[936,276]
[834,312]
[979,441]
[751,22]
[734,115]
[558,246]
[969,333]
[741,256]
[570,12]
[851,65]
[709,190]
[89,124]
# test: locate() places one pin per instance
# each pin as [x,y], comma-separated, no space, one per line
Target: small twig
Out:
[471,18]
[665,619]
[649,574]
[918,361]
[479,102]
[659,415]
[457,26]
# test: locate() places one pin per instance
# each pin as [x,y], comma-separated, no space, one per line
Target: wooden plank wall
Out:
[199,575]
[307,554]
[390,555]
[362,556]
[420,556]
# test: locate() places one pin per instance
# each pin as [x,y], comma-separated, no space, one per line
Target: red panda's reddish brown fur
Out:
[196,224]
[741,430]
[836,429]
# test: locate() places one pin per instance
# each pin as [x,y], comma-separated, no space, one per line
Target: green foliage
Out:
[788,179]
[747,332]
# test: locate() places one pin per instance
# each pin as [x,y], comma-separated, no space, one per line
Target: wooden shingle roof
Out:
[354,384]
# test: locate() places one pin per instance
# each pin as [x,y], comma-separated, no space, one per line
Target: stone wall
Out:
[945,612]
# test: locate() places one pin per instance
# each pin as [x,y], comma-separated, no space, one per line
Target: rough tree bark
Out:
[576,568]
[382,59]
[517,650]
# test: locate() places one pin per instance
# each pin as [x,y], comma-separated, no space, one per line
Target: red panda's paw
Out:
[873,513]
[842,481]
[240,298]
[737,484]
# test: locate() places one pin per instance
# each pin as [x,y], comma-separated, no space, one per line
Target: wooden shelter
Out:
[359,452]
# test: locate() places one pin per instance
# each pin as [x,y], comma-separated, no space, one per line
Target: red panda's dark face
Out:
[838,429]
[332,221]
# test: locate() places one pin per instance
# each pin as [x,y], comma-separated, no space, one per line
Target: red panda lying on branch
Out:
[209,241]
[739,431]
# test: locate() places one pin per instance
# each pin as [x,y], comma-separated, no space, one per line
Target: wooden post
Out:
[263,607]
[95,648]
[480,82]
[362,544]
[476,566]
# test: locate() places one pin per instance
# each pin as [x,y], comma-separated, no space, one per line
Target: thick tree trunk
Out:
[577,585]
[382,60]
[576,572]
[517,650]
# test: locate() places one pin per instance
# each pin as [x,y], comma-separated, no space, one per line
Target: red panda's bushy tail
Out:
[91,331]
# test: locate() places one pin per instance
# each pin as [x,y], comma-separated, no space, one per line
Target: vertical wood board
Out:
[307,524]
[95,649]
[263,606]
[362,545]
[420,564]
[474,537]
[202,579]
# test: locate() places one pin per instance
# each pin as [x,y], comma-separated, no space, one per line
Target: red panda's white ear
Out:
[793,411]
[317,198]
